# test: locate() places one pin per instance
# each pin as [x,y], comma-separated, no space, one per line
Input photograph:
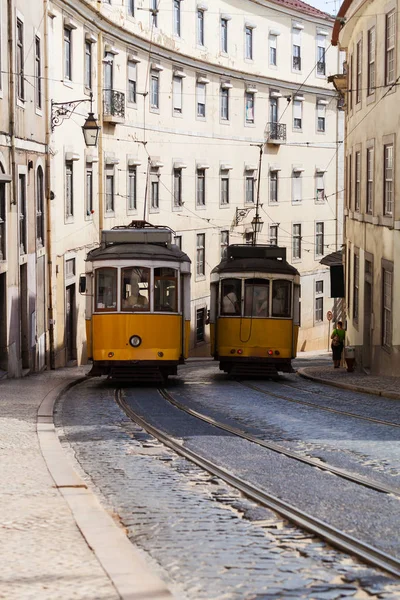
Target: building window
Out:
[371,61]
[249,102]
[67,54]
[201,187]
[177,187]
[296,242]
[69,188]
[350,83]
[40,207]
[296,186]
[350,185]
[320,186]
[154,90]
[319,302]
[177,94]
[321,64]
[390,41]
[249,43]
[224,244]
[132,187]
[388,180]
[249,238]
[224,188]
[358,72]
[370,180]
[22,213]
[297,114]
[110,190]
[319,287]
[273,50]
[273,186]
[357,190]
[131,8]
[200,324]
[177,17]
[356,284]
[273,235]
[224,35]
[132,76]
[387,279]
[89,189]
[296,49]
[321,117]
[88,65]
[200,27]
[250,185]
[155,189]
[178,241]
[20,59]
[224,104]
[201,99]
[319,239]
[154,12]
[38,73]
[200,253]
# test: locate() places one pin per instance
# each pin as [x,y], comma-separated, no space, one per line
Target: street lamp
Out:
[257,224]
[64,110]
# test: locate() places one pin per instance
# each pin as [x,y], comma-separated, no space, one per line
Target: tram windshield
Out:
[106,289]
[230,296]
[281,298]
[165,290]
[256,298]
[135,289]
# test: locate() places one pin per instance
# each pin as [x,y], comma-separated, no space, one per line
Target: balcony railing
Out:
[276,133]
[113,106]
[321,66]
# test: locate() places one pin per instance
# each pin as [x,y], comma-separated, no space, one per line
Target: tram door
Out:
[70,322]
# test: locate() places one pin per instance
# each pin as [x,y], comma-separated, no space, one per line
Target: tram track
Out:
[345,413]
[330,534]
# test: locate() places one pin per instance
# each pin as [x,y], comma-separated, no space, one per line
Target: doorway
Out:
[3,322]
[70,346]
[25,324]
[367,334]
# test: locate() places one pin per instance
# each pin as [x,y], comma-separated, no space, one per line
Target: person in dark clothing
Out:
[337,344]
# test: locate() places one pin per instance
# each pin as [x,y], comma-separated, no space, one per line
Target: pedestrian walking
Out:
[337,344]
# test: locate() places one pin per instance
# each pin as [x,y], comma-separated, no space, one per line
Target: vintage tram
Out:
[138,303]
[254,311]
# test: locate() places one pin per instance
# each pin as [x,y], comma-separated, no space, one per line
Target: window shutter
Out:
[177,93]
[296,109]
[201,93]
[131,71]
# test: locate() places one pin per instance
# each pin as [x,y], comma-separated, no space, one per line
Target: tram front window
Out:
[230,297]
[135,289]
[256,303]
[165,290]
[106,289]
[281,298]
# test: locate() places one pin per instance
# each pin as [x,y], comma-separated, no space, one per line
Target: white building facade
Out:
[186,94]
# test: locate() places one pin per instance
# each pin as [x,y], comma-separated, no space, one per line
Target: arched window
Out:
[40,207]
[2,216]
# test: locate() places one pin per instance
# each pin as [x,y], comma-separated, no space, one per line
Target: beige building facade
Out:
[369,34]
[186,93]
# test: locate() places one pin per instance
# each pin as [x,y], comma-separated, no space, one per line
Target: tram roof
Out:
[263,259]
[138,251]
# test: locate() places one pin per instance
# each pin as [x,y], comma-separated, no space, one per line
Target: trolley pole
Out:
[256,222]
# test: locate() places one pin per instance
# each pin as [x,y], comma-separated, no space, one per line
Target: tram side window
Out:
[256,298]
[281,298]
[135,289]
[106,289]
[230,296]
[165,290]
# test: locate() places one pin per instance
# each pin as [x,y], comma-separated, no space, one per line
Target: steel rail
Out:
[326,408]
[332,535]
[359,479]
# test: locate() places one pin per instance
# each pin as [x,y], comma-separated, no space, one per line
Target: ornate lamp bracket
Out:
[241,213]
[64,110]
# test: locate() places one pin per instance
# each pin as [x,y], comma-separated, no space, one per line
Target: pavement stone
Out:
[42,552]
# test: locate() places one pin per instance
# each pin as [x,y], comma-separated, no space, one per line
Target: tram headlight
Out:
[135,341]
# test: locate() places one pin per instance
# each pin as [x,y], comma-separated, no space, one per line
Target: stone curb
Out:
[348,386]
[120,560]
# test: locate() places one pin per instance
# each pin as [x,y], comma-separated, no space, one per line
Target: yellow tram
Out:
[254,311]
[138,303]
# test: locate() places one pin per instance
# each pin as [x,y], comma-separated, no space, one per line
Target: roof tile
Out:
[304,8]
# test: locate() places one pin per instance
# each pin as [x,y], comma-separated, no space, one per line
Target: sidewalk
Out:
[56,541]
[358,381]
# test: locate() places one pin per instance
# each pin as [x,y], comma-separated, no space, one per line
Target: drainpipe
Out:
[49,246]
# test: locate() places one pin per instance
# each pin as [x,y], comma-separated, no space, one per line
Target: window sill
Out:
[40,251]
[68,83]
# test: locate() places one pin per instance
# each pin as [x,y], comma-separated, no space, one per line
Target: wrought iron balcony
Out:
[321,66]
[113,106]
[276,133]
